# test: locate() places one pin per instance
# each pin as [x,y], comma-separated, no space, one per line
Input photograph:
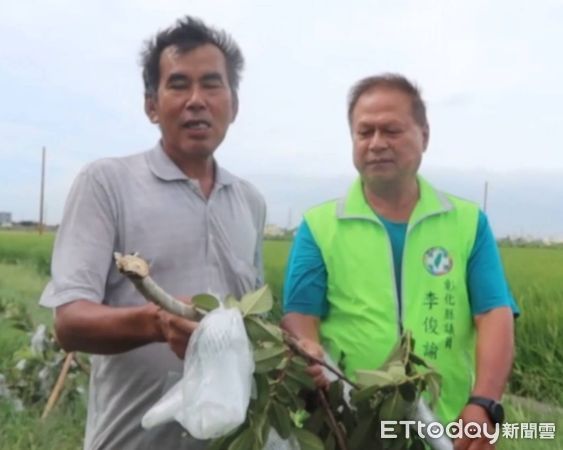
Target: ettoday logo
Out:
[435,430]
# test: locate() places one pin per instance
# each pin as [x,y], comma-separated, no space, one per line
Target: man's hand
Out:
[176,330]
[475,413]
[314,370]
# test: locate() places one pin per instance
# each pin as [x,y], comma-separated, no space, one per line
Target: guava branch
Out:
[137,270]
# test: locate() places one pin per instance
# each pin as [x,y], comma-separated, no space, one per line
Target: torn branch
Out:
[137,270]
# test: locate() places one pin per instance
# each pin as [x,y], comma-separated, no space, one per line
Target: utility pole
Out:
[42,193]
[288,226]
[485,196]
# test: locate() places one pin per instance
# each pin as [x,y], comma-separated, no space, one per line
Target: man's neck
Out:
[200,169]
[394,202]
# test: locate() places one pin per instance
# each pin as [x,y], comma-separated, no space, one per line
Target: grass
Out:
[61,430]
[24,246]
[535,275]
[536,280]
[538,268]
[518,411]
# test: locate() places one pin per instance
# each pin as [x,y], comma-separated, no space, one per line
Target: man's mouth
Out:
[376,162]
[196,124]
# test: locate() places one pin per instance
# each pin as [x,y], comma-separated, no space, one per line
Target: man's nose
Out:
[377,142]
[196,99]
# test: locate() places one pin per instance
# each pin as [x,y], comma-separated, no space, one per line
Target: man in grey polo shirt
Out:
[198,225]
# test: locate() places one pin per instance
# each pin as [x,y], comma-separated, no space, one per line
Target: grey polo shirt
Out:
[144,203]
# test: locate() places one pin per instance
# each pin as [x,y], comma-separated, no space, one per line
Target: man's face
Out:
[194,104]
[388,142]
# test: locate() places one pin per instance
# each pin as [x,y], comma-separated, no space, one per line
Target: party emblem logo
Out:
[437,261]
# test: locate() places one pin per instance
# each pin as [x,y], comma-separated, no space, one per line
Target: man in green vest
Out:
[396,254]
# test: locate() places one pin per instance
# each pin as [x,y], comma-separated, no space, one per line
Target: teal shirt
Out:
[306,278]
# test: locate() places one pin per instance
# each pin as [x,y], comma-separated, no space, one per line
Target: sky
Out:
[490,73]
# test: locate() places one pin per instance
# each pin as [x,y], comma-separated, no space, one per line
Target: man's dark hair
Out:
[187,34]
[390,81]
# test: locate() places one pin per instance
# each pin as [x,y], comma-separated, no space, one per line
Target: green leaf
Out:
[307,440]
[299,417]
[262,392]
[259,330]
[330,442]
[207,302]
[287,396]
[299,363]
[257,302]
[364,394]
[264,433]
[398,354]
[316,421]
[417,360]
[219,443]
[408,391]
[433,382]
[396,370]
[360,438]
[279,418]
[265,353]
[393,407]
[303,379]
[374,378]
[398,443]
[232,302]
[268,358]
[407,343]
[417,444]
[244,441]
[260,426]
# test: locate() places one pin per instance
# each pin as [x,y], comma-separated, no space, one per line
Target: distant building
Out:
[271,230]
[5,218]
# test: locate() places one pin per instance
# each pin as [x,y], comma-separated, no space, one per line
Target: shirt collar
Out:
[164,168]
[430,202]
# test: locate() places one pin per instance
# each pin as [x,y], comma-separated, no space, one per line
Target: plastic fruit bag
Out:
[212,397]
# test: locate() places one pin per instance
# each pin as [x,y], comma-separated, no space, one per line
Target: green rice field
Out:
[536,387]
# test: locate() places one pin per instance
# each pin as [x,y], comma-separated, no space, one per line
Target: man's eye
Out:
[177,85]
[364,133]
[213,84]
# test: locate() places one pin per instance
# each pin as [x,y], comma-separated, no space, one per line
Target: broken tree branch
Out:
[137,270]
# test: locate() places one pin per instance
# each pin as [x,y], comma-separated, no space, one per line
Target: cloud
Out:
[489,71]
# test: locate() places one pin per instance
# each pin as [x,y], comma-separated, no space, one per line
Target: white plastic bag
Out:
[275,442]
[212,397]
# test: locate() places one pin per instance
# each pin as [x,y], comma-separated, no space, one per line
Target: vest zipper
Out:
[398,305]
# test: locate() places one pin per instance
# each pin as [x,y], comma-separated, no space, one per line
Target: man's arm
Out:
[302,326]
[90,327]
[305,297]
[493,310]
[306,330]
[495,352]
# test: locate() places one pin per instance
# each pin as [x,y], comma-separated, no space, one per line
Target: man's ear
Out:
[235,107]
[150,108]
[426,136]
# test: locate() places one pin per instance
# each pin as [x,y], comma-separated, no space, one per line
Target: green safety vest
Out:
[363,324]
